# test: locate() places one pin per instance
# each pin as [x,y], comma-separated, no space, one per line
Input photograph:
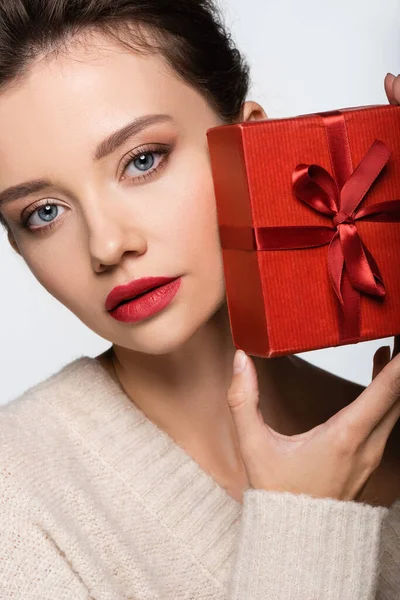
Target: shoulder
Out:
[31,411]
[36,441]
[331,389]
[335,393]
[318,394]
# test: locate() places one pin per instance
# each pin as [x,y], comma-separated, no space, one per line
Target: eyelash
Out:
[131,156]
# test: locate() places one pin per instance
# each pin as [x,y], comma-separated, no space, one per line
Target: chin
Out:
[170,330]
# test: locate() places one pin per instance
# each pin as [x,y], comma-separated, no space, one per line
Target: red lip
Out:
[134,288]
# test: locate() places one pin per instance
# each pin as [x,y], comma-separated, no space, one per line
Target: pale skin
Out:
[177,365]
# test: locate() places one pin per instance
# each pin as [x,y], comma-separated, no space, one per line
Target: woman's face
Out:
[116,218]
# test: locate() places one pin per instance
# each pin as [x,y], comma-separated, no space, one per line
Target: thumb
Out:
[388,84]
[243,401]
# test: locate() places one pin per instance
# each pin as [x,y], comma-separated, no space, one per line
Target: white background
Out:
[306,56]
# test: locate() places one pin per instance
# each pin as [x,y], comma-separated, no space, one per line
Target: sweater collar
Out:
[162,475]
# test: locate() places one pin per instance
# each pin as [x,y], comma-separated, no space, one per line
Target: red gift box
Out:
[309,222]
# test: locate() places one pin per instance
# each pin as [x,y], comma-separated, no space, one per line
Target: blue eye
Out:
[143,162]
[46,211]
[142,159]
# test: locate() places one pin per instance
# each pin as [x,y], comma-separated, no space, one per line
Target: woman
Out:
[149,472]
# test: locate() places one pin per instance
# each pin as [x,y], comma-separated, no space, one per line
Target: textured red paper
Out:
[281,302]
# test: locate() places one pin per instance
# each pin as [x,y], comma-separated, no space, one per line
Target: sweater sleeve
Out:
[294,546]
[31,564]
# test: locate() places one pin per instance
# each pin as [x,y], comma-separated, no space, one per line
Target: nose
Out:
[111,235]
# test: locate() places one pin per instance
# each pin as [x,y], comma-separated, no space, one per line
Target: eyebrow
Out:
[104,148]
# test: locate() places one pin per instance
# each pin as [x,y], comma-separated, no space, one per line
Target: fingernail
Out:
[239,361]
[391,74]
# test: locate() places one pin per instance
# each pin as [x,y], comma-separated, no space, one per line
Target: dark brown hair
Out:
[189,34]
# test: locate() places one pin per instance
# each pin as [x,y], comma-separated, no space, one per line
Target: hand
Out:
[333,460]
[392,88]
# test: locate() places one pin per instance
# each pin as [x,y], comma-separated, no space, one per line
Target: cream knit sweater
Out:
[97,502]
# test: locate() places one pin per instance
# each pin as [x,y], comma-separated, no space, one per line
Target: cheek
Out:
[196,218]
[59,274]
[202,244]
[43,267]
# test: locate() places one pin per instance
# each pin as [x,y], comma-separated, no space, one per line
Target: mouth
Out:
[147,303]
[124,294]
[137,296]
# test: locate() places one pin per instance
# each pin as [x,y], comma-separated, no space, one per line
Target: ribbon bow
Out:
[316,187]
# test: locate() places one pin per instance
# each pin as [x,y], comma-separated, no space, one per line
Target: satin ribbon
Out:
[352,268]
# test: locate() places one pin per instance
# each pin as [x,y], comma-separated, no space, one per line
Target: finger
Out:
[382,431]
[381,358]
[374,403]
[396,89]
[396,347]
[388,83]
[243,400]
[380,434]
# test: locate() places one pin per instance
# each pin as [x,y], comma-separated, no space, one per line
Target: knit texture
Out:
[97,502]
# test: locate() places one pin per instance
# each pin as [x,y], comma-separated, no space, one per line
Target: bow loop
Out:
[315,186]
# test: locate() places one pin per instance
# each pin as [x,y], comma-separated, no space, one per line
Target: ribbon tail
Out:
[363,271]
[375,271]
[336,266]
[349,313]
[349,304]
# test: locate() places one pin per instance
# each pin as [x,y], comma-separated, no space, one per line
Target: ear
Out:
[12,241]
[252,111]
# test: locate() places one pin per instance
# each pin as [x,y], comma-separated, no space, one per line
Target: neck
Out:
[184,391]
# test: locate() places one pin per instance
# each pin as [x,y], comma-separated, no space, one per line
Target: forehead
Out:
[81,96]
